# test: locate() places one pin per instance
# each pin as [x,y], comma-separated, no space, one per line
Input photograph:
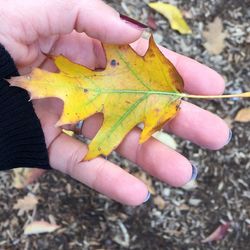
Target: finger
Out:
[198,78]
[157,159]
[65,155]
[152,156]
[199,126]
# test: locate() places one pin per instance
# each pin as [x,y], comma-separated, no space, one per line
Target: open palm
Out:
[74,29]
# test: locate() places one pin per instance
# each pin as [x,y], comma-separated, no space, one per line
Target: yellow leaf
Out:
[173,15]
[243,115]
[132,89]
[68,132]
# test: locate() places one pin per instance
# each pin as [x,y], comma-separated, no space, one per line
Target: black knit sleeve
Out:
[22,142]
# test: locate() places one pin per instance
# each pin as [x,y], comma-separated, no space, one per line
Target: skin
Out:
[75,28]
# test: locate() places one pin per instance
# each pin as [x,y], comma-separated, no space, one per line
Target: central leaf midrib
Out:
[132,91]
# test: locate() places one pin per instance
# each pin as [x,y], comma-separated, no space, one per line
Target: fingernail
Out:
[147,197]
[134,23]
[230,136]
[194,173]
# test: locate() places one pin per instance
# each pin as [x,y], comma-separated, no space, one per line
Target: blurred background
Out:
[210,213]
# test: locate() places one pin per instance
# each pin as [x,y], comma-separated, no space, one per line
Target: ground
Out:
[185,217]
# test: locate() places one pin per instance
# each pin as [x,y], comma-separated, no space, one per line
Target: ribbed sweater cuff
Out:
[22,142]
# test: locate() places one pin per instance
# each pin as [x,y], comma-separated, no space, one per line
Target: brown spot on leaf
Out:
[85,91]
[114,63]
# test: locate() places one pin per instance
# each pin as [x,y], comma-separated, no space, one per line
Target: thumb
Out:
[95,18]
[100,21]
[42,19]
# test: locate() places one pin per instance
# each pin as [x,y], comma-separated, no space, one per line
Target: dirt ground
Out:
[174,218]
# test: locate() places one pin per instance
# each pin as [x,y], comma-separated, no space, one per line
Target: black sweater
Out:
[22,141]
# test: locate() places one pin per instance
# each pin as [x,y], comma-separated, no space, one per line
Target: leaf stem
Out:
[241,95]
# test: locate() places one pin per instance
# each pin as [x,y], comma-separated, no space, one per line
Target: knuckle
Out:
[73,161]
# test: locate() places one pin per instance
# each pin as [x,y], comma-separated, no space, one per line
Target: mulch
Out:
[89,220]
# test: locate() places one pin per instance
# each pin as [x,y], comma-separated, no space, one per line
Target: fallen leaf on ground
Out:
[229,121]
[243,115]
[147,180]
[219,233]
[159,202]
[38,227]
[25,204]
[25,176]
[215,37]
[174,16]
[165,139]
[190,185]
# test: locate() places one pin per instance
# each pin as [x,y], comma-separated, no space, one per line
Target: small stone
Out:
[194,202]
[158,38]
[166,192]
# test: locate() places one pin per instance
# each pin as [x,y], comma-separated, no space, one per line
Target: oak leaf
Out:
[25,204]
[215,37]
[131,90]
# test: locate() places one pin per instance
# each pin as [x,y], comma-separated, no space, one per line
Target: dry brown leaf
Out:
[24,176]
[215,37]
[159,202]
[183,207]
[243,115]
[38,227]
[147,180]
[218,234]
[229,121]
[25,204]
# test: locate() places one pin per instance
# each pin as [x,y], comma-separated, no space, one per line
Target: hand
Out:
[71,28]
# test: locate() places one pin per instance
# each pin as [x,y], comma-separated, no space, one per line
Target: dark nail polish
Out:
[133,22]
[147,197]
[230,136]
[194,173]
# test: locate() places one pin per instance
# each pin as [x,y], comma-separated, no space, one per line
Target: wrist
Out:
[22,142]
